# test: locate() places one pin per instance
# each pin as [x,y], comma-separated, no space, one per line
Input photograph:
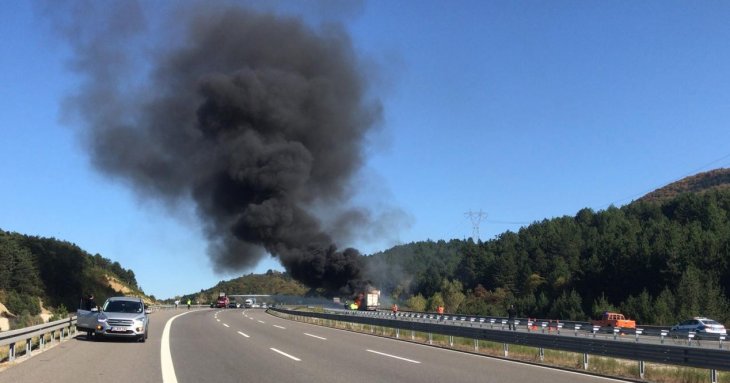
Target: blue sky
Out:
[525,110]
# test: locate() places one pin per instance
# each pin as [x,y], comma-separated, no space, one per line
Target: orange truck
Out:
[616,320]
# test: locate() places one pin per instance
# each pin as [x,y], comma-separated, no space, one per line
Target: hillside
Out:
[657,260]
[718,179]
[38,274]
[272,282]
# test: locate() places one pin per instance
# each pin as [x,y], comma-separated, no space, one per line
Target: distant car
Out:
[263,305]
[700,325]
[233,305]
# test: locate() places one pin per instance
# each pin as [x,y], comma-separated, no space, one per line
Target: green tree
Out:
[452,295]
[417,303]
[568,306]
[689,294]
[602,305]
[435,301]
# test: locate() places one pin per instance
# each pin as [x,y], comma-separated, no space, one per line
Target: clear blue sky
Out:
[525,110]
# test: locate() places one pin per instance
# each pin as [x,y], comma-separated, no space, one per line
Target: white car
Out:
[700,325]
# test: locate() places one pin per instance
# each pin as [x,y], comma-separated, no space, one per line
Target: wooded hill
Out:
[658,260]
[272,282]
[58,273]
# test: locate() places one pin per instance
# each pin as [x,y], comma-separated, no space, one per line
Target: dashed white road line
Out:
[261,321]
[243,334]
[285,354]
[218,319]
[226,325]
[315,336]
[281,327]
[393,356]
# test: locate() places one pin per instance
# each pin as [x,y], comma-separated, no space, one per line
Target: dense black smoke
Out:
[259,118]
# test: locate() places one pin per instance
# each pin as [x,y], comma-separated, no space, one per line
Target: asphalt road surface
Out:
[236,345]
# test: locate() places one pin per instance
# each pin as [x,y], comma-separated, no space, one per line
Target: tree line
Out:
[57,272]
[656,262]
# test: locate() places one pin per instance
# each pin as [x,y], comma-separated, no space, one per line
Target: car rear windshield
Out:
[123,307]
[710,321]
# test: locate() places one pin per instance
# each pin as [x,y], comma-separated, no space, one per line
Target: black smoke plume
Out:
[259,118]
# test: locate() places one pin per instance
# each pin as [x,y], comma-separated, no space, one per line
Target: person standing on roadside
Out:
[511,315]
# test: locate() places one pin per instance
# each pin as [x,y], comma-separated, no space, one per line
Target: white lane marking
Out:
[281,327]
[243,334]
[168,369]
[218,320]
[261,321]
[286,355]
[393,356]
[226,325]
[250,318]
[315,336]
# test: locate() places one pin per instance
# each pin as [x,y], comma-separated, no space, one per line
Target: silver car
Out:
[700,325]
[122,317]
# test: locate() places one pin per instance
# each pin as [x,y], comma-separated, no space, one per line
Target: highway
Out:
[237,345]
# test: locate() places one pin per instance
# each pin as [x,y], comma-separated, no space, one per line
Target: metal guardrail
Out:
[65,327]
[712,359]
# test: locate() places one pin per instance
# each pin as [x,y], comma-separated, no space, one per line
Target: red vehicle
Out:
[222,302]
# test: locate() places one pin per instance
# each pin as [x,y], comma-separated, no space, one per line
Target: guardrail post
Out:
[413,335]
[642,369]
[585,361]
[11,352]
[663,334]
[491,322]
[639,331]
[397,333]
[595,330]
[713,376]
[451,341]
[616,330]
[42,342]
[529,324]
[560,326]
[28,347]
[476,345]
[504,322]
[722,338]
[542,354]
[577,327]
[543,325]
[506,350]
[430,338]
[690,336]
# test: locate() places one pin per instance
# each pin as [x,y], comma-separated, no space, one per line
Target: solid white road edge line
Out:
[393,356]
[243,334]
[281,327]
[285,354]
[315,336]
[168,370]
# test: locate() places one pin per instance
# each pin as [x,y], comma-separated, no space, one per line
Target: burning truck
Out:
[369,300]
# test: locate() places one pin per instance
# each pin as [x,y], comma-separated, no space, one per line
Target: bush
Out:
[19,302]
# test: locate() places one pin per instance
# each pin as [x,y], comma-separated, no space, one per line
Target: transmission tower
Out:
[476,218]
